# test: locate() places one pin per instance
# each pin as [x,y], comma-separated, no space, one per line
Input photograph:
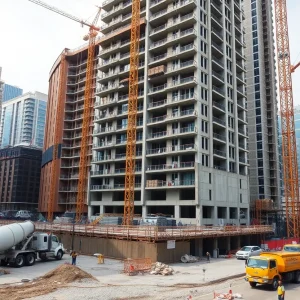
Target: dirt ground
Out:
[50,282]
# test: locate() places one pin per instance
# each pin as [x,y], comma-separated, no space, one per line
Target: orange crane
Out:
[87,115]
[289,148]
[132,114]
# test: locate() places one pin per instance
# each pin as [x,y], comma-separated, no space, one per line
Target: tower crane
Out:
[88,95]
[132,114]
[289,148]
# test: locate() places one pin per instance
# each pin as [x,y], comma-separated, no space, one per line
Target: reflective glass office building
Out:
[10,92]
[23,120]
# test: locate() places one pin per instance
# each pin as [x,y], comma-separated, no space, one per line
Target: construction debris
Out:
[46,284]
[159,268]
[189,258]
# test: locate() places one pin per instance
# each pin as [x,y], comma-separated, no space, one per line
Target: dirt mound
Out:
[66,274]
[57,278]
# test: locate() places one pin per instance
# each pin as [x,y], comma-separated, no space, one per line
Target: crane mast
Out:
[87,120]
[289,149]
[132,114]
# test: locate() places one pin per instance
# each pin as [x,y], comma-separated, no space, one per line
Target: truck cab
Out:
[291,248]
[269,268]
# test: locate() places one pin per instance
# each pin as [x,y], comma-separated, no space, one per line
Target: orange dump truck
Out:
[270,267]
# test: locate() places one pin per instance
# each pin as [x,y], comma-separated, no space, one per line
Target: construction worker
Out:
[280,291]
[208,257]
[74,257]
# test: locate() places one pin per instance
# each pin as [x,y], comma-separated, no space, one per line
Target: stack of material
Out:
[152,183]
[161,269]
[111,221]
[189,258]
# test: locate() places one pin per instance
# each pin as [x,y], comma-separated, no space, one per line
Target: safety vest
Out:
[280,290]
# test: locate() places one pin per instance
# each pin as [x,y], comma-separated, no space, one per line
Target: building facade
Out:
[11,91]
[262,101]
[20,170]
[23,120]
[70,132]
[191,151]
[1,89]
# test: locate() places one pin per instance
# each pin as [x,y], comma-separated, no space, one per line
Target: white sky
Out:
[32,37]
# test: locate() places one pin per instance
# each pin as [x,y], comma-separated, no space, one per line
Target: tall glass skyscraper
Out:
[23,120]
[10,92]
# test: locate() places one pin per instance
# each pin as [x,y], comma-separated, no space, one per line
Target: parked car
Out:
[23,215]
[9,214]
[247,251]
[2,215]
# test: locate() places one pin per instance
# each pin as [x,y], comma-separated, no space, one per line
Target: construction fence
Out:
[150,233]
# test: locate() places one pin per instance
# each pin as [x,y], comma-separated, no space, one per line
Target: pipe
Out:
[13,234]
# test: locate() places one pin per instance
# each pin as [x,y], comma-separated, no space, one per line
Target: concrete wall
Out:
[122,249]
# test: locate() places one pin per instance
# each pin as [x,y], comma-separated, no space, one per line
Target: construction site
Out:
[143,131]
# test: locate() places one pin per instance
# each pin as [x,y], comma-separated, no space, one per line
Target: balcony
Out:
[165,150]
[172,10]
[105,102]
[106,172]
[183,82]
[118,157]
[219,121]
[219,106]
[154,184]
[171,117]
[170,167]
[112,187]
[218,91]
[189,18]
[182,131]
[219,137]
[175,38]
[104,130]
[182,52]
[220,153]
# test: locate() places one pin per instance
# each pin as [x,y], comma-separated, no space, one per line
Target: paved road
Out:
[259,293]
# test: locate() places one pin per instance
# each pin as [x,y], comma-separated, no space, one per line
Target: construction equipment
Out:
[20,245]
[270,267]
[87,114]
[132,114]
[289,148]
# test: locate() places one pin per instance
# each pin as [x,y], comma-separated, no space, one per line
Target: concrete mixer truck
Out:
[20,245]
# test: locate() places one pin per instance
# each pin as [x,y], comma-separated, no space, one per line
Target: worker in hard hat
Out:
[74,257]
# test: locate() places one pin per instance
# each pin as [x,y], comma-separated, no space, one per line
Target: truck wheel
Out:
[30,259]
[59,255]
[297,277]
[3,262]
[43,256]
[275,284]
[253,284]
[19,261]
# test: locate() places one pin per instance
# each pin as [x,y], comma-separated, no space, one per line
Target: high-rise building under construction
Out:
[191,149]
[262,101]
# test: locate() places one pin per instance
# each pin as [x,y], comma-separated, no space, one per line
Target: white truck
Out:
[20,245]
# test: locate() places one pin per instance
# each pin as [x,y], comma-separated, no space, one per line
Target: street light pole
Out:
[73,231]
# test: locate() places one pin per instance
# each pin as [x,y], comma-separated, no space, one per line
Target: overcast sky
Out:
[32,37]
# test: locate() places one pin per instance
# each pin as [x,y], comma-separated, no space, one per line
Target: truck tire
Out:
[59,255]
[275,284]
[3,262]
[297,277]
[30,259]
[19,261]
[253,284]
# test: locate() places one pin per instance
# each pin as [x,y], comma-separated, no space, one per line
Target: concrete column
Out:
[215,243]
[144,211]
[228,243]
[101,209]
[199,247]
[177,213]
[198,215]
